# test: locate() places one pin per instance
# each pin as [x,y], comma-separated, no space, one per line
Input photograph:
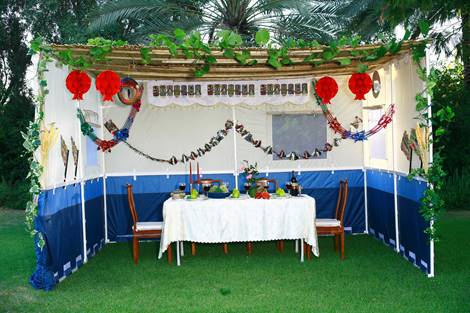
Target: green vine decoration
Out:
[31,143]
[230,44]
[432,204]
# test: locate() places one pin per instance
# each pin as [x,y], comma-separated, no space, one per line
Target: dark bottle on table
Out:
[293,180]
[294,191]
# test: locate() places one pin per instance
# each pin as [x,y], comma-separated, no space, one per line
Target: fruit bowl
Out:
[218,195]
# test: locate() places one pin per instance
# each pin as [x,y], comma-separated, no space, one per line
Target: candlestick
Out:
[190,176]
[198,177]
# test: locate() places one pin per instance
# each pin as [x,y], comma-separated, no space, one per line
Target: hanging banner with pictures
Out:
[249,92]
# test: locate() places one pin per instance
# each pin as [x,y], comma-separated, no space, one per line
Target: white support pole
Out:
[431,224]
[235,160]
[394,163]
[103,165]
[296,246]
[82,186]
[182,248]
[178,261]
[301,250]
[366,208]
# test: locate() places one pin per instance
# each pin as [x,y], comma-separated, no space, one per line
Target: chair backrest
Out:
[130,198]
[344,200]
[340,198]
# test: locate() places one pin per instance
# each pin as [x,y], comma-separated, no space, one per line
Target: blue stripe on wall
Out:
[151,191]
[94,215]
[60,218]
[381,206]
[414,244]
[411,225]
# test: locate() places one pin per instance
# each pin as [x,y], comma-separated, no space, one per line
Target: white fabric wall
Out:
[400,83]
[61,109]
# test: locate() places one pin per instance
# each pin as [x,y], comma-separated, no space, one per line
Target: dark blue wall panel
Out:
[94,215]
[60,221]
[414,243]
[381,206]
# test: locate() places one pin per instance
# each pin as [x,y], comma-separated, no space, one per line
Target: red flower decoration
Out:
[326,88]
[108,84]
[78,83]
[360,84]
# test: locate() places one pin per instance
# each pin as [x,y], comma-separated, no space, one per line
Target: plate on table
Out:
[201,197]
[242,197]
[218,195]
[275,196]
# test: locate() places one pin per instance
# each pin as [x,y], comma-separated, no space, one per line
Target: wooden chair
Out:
[335,226]
[143,229]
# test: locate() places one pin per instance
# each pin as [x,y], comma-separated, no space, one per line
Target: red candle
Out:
[198,176]
[190,175]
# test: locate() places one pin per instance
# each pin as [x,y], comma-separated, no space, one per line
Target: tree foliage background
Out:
[74,21]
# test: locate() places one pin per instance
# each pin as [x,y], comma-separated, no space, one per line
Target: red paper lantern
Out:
[326,88]
[78,83]
[360,84]
[108,84]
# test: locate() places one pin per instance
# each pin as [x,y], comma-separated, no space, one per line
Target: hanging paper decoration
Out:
[118,134]
[326,88]
[48,136]
[108,84]
[240,129]
[75,153]
[336,126]
[214,141]
[360,84]
[64,151]
[406,145]
[78,83]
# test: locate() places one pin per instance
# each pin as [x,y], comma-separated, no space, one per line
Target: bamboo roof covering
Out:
[127,60]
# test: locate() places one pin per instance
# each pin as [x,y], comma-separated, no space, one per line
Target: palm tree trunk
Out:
[466,47]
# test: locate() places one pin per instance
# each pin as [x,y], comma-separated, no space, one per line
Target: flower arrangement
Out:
[250,171]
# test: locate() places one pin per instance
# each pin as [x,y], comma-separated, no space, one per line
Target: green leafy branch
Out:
[432,204]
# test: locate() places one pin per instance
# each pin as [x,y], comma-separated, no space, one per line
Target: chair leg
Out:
[249,248]
[307,249]
[169,254]
[281,246]
[335,240]
[135,249]
[225,248]
[193,248]
[342,245]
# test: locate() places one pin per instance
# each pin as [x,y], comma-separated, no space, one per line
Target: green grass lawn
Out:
[373,278]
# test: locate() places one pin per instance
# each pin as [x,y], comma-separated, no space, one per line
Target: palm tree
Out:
[371,16]
[283,18]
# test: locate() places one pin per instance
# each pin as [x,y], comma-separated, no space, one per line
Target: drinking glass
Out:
[206,188]
[247,187]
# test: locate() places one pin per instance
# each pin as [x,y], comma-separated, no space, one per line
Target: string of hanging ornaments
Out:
[108,83]
[129,92]
[360,84]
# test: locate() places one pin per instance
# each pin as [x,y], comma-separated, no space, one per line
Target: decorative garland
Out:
[119,134]
[362,135]
[213,142]
[245,134]
[293,155]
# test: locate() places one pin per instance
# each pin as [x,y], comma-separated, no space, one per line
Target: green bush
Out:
[456,190]
[14,195]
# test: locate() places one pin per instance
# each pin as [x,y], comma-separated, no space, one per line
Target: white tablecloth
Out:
[227,220]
